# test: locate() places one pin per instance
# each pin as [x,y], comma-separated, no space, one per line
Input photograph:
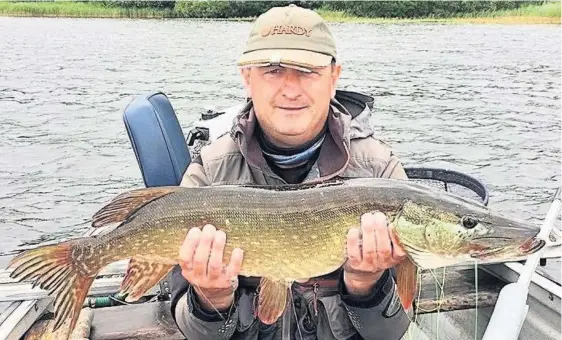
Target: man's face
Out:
[291,105]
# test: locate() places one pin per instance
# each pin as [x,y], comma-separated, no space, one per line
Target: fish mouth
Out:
[531,246]
[528,247]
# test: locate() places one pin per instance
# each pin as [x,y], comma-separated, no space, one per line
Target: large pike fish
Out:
[287,233]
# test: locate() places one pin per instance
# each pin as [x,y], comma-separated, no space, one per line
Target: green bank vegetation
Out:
[334,11]
[80,10]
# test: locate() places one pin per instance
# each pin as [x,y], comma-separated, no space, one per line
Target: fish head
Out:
[440,234]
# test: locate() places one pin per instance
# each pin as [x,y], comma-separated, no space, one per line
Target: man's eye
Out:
[273,71]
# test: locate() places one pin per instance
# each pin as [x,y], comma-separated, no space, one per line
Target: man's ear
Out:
[245,73]
[336,71]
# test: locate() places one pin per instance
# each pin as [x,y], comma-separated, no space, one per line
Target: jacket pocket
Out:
[333,319]
[246,316]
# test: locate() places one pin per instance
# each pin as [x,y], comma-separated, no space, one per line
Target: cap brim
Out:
[289,58]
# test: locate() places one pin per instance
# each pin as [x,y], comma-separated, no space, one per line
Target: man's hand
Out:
[201,261]
[370,251]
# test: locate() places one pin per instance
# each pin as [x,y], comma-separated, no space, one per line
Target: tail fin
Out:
[51,268]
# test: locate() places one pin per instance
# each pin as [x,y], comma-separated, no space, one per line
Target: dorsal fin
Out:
[125,204]
[293,187]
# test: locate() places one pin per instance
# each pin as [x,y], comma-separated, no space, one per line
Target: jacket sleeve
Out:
[394,169]
[193,322]
[379,315]
[191,319]
[195,175]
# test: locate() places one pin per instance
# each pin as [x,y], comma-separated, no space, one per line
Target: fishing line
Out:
[439,296]
[287,336]
[440,286]
[216,310]
[441,299]
[476,298]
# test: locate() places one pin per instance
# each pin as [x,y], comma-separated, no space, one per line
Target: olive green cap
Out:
[289,36]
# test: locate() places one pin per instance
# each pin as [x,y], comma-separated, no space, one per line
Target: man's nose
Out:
[292,88]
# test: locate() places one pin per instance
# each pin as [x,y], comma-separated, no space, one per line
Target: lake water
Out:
[482,99]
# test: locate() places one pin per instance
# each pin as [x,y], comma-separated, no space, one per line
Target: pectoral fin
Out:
[272,300]
[141,276]
[406,278]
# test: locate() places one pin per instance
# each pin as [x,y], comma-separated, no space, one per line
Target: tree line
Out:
[379,9]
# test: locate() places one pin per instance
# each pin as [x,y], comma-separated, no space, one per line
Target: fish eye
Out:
[469,222]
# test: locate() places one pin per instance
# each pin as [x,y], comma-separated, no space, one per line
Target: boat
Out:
[515,300]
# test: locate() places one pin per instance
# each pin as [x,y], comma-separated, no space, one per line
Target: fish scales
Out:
[252,221]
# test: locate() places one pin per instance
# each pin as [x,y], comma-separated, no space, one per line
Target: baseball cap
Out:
[289,36]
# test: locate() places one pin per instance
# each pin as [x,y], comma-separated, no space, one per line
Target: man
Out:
[295,128]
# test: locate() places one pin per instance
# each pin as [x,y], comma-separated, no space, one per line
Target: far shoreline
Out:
[544,14]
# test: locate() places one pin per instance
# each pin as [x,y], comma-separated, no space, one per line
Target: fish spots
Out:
[162,230]
[295,237]
[255,243]
[227,222]
[314,237]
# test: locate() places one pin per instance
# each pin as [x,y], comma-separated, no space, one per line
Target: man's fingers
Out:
[188,247]
[235,264]
[383,245]
[398,252]
[214,269]
[369,244]
[201,257]
[353,247]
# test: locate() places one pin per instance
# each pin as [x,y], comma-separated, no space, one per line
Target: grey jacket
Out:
[322,307]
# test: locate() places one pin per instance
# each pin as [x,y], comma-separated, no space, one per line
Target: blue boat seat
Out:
[157,139]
